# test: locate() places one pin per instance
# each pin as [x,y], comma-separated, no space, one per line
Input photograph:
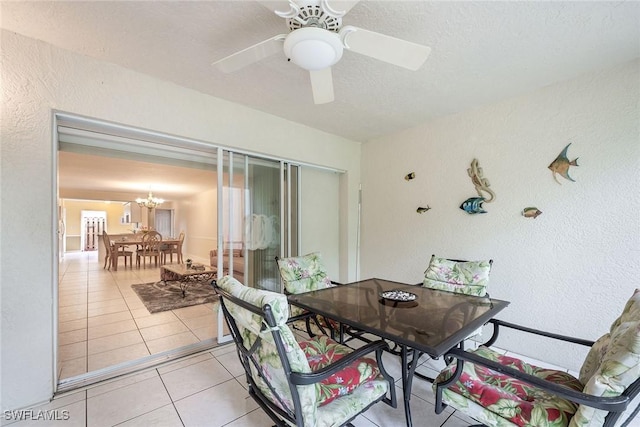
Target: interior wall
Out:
[201,214]
[38,78]
[319,216]
[73,223]
[571,269]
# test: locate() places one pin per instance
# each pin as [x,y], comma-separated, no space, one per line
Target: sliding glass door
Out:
[259,218]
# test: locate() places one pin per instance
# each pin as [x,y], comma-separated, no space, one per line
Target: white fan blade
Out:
[251,54]
[282,8]
[384,48]
[322,85]
[339,7]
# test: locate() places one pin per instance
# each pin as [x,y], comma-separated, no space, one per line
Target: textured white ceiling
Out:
[481,52]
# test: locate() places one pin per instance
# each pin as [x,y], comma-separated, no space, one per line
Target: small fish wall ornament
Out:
[422,210]
[531,212]
[480,182]
[410,176]
[561,165]
[473,205]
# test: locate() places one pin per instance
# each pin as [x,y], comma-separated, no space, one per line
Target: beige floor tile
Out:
[75,308]
[108,318]
[194,378]
[72,300]
[119,355]
[168,367]
[171,342]
[112,342]
[73,367]
[112,328]
[258,418]
[215,406]
[106,295]
[165,416]
[118,302]
[231,363]
[115,384]
[200,321]
[193,311]
[126,403]
[421,410]
[206,333]
[163,330]
[224,349]
[72,351]
[72,325]
[155,319]
[71,337]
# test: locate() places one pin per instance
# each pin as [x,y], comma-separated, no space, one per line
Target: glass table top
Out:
[429,320]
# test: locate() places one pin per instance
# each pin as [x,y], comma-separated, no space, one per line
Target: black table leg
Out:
[408,370]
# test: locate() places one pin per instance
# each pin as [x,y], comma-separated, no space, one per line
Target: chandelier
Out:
[150,202]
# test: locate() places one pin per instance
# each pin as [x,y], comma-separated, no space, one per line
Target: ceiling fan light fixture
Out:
[313,48]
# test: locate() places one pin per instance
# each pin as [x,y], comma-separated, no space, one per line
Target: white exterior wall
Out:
[570,270]
[38,78]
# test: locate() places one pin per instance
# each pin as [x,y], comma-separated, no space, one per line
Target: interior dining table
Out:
[134,240]
[414,318]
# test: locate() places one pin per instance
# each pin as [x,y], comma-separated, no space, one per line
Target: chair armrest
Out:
[324,373]
[497,323]
[333,282]
[611,404]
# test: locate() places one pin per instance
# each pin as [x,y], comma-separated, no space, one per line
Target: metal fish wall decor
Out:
[410,176]
[422,210]
[531,212]
[561,165]
[473,205]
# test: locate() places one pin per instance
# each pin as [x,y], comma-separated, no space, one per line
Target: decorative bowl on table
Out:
[398,295]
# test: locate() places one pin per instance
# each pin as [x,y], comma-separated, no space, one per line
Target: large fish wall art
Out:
[561,165]
[473,205]
[480,182]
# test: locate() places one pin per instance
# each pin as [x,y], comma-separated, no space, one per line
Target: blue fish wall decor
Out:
[473,205]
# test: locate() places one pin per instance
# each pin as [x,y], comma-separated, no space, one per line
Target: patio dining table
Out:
[416,319]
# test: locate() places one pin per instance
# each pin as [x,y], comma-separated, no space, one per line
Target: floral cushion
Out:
[250,326]
[468,277]
[613,363]
[332,412]
[496,399]
[304,273]
[323,351]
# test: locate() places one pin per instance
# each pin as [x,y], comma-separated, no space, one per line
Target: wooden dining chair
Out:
[110,253]
[151,242]
[173,248]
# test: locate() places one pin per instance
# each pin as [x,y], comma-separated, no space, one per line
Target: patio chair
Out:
[497,390]
[110,253]
[453,275]
[304,274]
[151,242]
[313,382]
[458,276]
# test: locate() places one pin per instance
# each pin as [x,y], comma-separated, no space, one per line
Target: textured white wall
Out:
[37,78]
[571,269]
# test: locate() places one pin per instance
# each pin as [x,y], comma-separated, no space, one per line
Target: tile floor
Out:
[102,322]
[206,389]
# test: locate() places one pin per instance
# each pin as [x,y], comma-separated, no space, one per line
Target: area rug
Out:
[160,297]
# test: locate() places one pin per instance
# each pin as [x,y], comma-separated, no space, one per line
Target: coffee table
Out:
[185,276]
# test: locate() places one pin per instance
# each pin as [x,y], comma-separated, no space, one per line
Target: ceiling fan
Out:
[317,40]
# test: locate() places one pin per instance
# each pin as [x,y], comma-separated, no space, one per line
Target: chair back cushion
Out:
[266,355]
[465,277]
[613,363]
[304,273]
